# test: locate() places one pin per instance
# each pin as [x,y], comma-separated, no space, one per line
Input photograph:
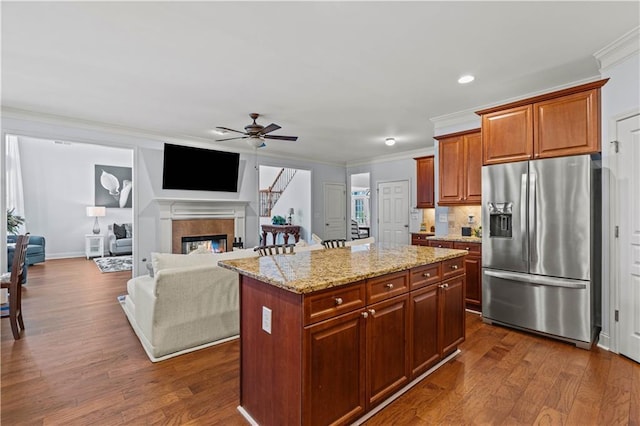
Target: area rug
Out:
[114,263]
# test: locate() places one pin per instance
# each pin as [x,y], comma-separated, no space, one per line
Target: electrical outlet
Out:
[442,217]
[266,319]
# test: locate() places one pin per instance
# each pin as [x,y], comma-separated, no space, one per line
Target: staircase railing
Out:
[269,197]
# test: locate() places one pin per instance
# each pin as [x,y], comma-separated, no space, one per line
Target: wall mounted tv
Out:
[198,169]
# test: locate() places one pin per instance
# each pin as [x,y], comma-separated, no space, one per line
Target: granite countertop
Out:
[458,238]
[311,271]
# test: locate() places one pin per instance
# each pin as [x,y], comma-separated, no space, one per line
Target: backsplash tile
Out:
[459,217]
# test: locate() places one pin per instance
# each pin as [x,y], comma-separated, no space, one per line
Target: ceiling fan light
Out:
[256,142]
[390,141]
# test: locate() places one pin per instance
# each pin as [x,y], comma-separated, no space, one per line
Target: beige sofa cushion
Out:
[169,260]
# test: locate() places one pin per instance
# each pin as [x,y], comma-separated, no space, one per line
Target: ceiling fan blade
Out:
[230,139]
[230,130]
[281,138]
[270,128]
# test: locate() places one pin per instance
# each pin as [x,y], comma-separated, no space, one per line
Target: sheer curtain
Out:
[15,194]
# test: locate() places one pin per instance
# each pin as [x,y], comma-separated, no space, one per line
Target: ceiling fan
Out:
[257,133]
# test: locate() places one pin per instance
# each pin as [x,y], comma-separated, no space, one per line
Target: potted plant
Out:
[13,222]
[278,220]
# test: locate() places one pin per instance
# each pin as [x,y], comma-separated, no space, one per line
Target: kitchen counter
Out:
[458,238]
[310,271]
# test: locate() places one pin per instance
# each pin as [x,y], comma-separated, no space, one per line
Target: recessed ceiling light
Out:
[390,141]
[466,79]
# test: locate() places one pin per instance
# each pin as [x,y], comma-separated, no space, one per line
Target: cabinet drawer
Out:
[329,303]
[425,275]
[419,240]
[452,267]
[473,248]
[440,244]
[387,286]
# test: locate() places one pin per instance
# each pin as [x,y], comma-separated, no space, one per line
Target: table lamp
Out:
[291,211]
[94,211]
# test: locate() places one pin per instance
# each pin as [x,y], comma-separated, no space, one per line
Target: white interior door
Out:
[628,183]
[393,212]
[335,211]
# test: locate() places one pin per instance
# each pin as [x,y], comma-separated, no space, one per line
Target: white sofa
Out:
[187,303]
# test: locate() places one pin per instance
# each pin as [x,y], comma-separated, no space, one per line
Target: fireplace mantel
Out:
[187,208]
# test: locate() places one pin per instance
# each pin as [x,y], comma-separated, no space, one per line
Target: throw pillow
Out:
[119,231]
[128,230]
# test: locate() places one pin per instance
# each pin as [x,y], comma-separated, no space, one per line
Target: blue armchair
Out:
[35,250]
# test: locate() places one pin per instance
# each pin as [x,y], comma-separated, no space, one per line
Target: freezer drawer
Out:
[560,307]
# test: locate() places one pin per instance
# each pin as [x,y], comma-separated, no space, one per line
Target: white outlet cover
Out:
[266,319]
[442,217]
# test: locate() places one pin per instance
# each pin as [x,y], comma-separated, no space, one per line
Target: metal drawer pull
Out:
[467,249]
[426,274]
[338,300]
[454,267]
[389,286]
[372,311]
[444,286]
[364,314]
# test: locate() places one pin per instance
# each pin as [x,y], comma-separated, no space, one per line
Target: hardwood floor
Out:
[80,363]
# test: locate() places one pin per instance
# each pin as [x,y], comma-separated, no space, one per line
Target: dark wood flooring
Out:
[79,363]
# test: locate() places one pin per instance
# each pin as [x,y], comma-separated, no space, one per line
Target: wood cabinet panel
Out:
[452,267]
[387,348]
[425,182]
[419,239]
[424,329]
[440,244]
[473,168]
[451,329]
[329,303]
[425,275]
[460,168]
[568,125]
[334,374]
[507,135]
[450,166]
[387,286]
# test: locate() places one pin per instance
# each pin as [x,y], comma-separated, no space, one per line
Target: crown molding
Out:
[619,50]
[466,118]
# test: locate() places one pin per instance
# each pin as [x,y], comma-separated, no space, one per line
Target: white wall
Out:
[58,181]
[620,96]
[147,170]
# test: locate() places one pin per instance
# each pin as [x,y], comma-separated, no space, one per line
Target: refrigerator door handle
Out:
[536,279]
[533,220]
[523,216]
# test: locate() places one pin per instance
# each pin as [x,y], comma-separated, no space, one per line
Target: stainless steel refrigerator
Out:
[541,246]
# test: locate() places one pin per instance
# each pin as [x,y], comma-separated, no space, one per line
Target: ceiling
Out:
[342,76]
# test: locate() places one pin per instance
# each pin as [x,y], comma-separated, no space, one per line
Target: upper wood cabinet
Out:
[460,168]
[425,185]
[566,122]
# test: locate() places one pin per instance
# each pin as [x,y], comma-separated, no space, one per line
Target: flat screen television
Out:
[198,169]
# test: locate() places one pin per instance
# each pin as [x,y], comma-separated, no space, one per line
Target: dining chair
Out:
[12,282]
[275,249]
[334,243]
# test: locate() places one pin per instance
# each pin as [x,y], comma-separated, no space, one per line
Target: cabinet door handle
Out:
[426,275]
[444,286]
[364,314]
[454,267]
[467,249]
[389,286]
[439,245]
[338,301]
[372,311]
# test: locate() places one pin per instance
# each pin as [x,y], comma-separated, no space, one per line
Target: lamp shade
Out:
[291,211]
[93,211]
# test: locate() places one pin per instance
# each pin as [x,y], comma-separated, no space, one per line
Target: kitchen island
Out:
[330,336]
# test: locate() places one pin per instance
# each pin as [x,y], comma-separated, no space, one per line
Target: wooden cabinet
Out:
[561,123]
[436,331]
[473,269]
[460,168]
[419,239]
[440,244]
[331,356]
[425,182]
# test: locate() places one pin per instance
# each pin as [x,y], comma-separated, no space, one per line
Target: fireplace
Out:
[209,243]
[189,217]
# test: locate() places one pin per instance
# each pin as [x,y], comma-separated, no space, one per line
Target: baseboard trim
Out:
[604,341]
